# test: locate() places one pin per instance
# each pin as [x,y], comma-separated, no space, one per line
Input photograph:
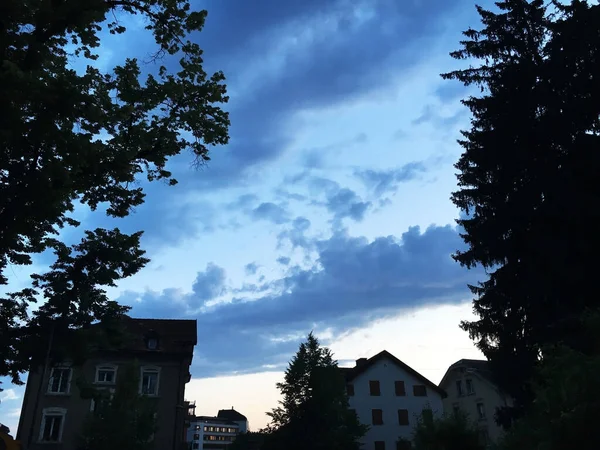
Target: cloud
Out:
[251,268]
[8,394]
[431,114]
[385,181]
[352,281]
[296,235]
[346,203]
[270,212]
[284,260]
[281,58]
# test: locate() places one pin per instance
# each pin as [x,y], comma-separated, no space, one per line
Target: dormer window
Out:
[152,343]
[151,340]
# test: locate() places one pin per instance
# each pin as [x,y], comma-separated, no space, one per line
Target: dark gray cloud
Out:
[385,181]
[353,282]
[271,212]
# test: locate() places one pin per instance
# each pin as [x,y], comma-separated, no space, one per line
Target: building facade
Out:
[207,433]
[54,409]
[470,389]
[387,395]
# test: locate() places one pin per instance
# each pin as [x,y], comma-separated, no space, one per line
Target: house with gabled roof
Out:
[388,395]
[470,388]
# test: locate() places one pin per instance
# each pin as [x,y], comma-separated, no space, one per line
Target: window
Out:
[419,390]
[60,380]
[403,444]
[53,420]
[403,417]
[105,396]
[196,437]
[481,411]
[350,390]
[377,416]
[459,389]
[197,427]
[106,374]
[195,446]
[149,380]
[379,445]
[469,384]
[400,388]
[456,408]
[374,388]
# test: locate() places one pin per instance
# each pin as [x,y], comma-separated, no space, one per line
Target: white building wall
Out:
[387,372]
[197,433]
[484,393]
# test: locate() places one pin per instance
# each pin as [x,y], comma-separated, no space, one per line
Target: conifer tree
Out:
[526,181]
[314,411]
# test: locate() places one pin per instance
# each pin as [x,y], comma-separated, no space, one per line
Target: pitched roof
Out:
[231,414]
[481,366]
[352,372]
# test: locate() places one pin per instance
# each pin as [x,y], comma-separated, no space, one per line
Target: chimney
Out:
[361,361]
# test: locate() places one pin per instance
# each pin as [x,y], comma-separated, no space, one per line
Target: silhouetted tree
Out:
[314,411]
[125,420]
[567,399]
[526,181]
[88,136]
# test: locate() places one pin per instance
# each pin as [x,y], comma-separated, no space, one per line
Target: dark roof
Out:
[481,366]
[231,414]
[214,420]
[352,372]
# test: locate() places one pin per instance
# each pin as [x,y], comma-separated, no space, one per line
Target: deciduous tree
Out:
[88,137]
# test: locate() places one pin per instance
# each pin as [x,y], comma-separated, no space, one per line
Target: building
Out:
[387,395]
[54,410]
[206,432]
[470,388]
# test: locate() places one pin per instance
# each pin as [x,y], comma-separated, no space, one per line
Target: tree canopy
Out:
[314,411]
[88,137]
[526,181]
[449,432]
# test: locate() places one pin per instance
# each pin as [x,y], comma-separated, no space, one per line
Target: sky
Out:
[328,211]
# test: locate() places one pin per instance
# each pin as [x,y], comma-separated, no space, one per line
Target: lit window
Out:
[149,381]
[152,343]
[53,420]
[60,378]
[106,374]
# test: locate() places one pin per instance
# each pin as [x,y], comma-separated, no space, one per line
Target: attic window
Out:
[152,343]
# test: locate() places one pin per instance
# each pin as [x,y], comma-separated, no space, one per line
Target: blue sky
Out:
[329,210]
